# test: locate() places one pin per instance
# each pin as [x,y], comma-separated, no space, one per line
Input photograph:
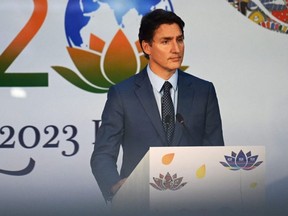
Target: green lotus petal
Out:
[183,68]
[88,64]
[73,78]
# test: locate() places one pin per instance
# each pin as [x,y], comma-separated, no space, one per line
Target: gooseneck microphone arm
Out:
[180,119]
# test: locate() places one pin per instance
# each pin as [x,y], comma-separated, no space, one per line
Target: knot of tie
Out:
[166,86]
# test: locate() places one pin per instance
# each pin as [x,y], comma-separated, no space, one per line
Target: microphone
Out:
[180,119]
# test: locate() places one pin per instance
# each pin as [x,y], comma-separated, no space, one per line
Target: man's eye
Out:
[165,42]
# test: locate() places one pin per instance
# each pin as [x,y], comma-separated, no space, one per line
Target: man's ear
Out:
[146,47]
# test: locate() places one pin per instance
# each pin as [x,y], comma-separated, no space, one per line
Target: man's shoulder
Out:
[129,82]
[189,78]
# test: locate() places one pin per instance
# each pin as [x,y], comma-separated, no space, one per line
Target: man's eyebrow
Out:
[170,38]
[166,38]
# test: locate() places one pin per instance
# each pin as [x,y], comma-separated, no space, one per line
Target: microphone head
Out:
[180,118]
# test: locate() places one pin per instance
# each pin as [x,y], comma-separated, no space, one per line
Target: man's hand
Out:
[117,186]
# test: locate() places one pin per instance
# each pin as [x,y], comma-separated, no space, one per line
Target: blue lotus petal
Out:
[241,159]
[231,161]
[229,167]
[233,154]
[225,164]
[251,161]
[248,154]
[258,163]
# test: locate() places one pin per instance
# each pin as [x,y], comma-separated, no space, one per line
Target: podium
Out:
[200,180]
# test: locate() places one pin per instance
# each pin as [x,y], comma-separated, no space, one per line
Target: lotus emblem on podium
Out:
[168,182]
[241,161]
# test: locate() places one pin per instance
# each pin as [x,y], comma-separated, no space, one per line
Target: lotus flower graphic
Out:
[88,63]
[241,161]
[270,14]
[168,182]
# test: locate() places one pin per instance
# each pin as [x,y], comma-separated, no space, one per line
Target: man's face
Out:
[166,50]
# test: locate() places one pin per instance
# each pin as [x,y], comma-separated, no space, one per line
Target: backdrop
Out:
[58,59]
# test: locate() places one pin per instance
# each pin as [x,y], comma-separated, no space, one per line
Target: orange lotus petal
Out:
[168,158]
[201,172]
[96,43]
[120,60]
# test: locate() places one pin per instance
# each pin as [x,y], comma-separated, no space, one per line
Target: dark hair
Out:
[151,22]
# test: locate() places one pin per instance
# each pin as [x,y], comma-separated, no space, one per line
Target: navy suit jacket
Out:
[131,118]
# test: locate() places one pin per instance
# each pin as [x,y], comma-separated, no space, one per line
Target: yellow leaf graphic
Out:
[253,185]
[201,172]
[168,158]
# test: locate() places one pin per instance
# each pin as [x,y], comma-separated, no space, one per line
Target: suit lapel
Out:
[146,97]
[184,104]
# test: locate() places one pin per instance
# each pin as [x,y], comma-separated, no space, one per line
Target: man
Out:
[135,115]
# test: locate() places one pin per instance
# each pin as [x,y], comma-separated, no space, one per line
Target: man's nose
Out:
[175,47]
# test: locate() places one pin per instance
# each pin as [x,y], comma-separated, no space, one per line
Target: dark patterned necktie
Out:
[167,112]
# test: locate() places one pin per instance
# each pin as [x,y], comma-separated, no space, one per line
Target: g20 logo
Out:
[99,35]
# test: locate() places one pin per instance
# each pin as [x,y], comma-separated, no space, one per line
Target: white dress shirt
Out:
[157,83]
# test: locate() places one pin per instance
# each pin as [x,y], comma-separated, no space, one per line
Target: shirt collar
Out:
[157,82]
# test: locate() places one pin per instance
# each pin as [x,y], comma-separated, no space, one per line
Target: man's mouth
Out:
[175,58]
